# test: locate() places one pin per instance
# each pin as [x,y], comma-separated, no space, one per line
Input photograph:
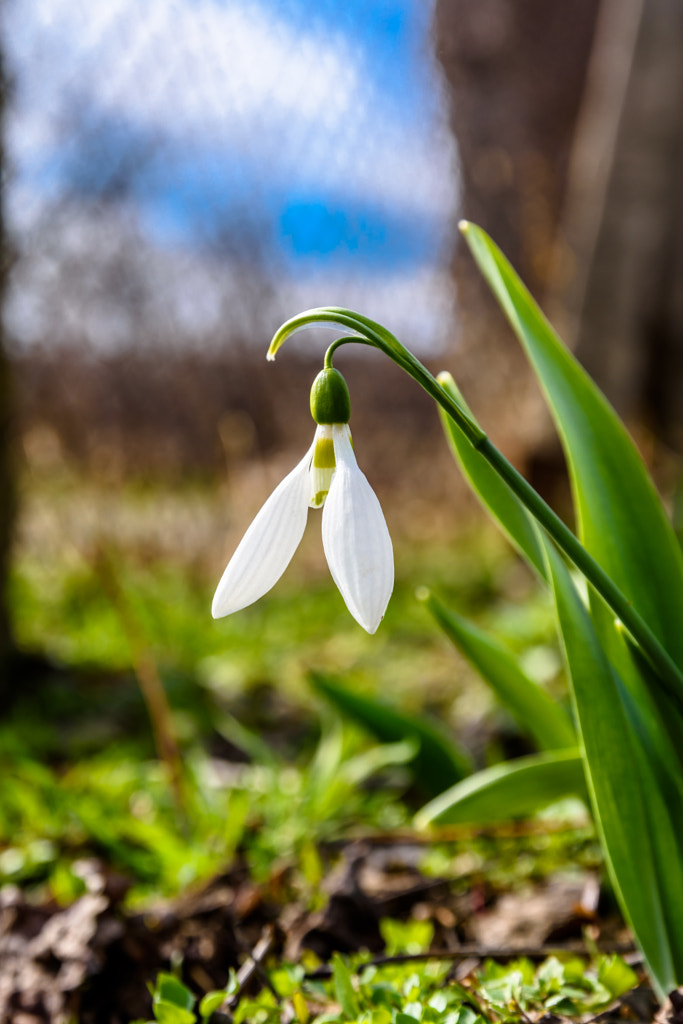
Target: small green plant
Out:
[622,643]
[174,1003]
[119,807]
[358,991]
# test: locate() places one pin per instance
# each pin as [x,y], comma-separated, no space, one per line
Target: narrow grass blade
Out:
[494,494]
[619,794]
[513,789]
[343,987]
[536,713]
[621,518]
[439,761]
[227,726]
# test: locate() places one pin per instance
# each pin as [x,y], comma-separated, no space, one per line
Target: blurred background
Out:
[178,179]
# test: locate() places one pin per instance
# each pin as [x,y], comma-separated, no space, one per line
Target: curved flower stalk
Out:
[625,669]
[361,329]
[356,540]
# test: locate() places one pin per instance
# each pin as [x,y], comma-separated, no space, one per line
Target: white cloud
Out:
[214,77]
[231,78]
[74,288]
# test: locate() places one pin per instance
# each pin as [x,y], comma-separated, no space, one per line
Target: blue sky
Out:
[311,132]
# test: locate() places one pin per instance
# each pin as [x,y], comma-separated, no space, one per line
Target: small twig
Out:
[456,833]
[474,951]
[253,966]
[147,674]
[520,1011]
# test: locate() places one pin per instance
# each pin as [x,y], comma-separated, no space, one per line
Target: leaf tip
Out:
[277,341]
[422,821]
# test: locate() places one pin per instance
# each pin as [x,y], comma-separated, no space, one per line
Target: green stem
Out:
[338,344]
[604,585]
[367,331]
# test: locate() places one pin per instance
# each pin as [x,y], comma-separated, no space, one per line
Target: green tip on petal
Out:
[323,453]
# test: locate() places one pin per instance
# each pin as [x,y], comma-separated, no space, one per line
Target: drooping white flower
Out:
[355,535]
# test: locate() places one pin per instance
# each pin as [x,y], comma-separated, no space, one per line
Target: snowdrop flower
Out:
[355,535]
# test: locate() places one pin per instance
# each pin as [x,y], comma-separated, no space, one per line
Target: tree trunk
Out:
[7,492]
[516,72]
[624,218]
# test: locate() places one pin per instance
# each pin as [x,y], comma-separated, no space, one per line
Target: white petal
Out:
[356,539]
[267,547]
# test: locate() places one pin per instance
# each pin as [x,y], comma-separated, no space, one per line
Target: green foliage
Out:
[556,986]
[621,519]
[506,861]
[624,723]
[623,650]
[78,775]
[406,936]
[359,992]
[172,1001]
[122,808]
[438,760]
[492,492]
[343,987]
[514,789]
[535,711]
[60,608]
[612,751]
[629,717]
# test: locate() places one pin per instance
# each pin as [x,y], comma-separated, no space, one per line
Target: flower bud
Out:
[330,401]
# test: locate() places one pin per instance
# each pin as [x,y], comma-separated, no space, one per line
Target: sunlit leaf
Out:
[513,789]
[173,1001]
[343,987]
[616,975]
[534,710]
[210,1003]
[621,518]
[618,792]
[438,763]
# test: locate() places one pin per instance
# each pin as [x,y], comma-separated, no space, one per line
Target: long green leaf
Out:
[513,789]
[621,518]
[494,494]
[668,714]
[657,726]
[439,761]
[534,710]
[612,761]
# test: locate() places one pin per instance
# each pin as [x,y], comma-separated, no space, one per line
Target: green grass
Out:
[78,759]
[61,607]
[269,773]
